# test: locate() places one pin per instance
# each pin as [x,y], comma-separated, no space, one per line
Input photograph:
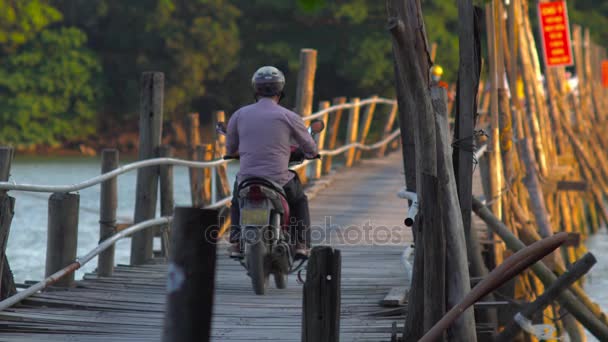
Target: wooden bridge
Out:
[129,305]
[354,208]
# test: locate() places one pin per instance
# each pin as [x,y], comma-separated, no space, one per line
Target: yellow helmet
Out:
[437,70]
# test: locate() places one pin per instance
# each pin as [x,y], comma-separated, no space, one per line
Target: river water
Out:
[27,240]
[28,235]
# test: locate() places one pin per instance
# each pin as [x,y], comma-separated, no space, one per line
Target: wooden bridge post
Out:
[321,296]
[7,207]
[204,153]
[352,131]
[191,275]
[150,132]
[196,175]
[321,139]
[62,235]
[334,128]
[107,209]
[166,197]
[220,151]
[390,121]
[305,90]
[367,124]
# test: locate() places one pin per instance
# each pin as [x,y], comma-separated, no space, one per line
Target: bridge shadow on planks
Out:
[129,306]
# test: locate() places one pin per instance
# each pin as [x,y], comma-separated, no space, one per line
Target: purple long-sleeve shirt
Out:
[261,134]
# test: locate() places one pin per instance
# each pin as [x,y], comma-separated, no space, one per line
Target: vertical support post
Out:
[204,153]
[494,144]
[62,235]
[7,208]
[166,197]
[305,90]
[220,151]
[191,275]
[334,128]
[150,132]
[367,124]
[306,81]
[321,139]
[353,129]
[107,209]
[196,175]
[321,296]
[468,80]
[390,121]
[213,195]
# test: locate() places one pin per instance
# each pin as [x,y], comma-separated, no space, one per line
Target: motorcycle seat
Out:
[262,181]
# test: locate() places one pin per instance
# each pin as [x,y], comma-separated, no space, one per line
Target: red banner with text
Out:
[605,73]
[555,33]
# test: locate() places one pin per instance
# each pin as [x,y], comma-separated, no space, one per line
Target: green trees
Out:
[49,89]
[48,84]
[70,66]
[21,20]
[194,42]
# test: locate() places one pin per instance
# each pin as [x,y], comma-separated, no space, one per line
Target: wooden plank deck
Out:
[359,214]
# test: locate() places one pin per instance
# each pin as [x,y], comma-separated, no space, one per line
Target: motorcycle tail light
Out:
[255,193]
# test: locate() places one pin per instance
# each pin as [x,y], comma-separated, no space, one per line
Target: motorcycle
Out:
[265,241]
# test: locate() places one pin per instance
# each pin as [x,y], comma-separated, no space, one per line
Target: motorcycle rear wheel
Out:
[280,280]
[255,266]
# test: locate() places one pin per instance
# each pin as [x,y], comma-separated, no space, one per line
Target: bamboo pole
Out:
[220,151]
[367,123]
[166,199]
[305,90]
[352,130]
[494,144]
[566,298]
[193,139]
[334,128]
[388,127]
[321,140]
[561,284]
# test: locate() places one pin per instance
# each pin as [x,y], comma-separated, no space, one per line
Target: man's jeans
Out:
[299,225]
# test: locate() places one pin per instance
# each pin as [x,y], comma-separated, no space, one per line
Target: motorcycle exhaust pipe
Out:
[281,254]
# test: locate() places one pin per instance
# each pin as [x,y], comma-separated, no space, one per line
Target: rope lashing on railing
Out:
[319,114]
[81,261]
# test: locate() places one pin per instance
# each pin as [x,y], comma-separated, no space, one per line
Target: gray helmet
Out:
[268,81]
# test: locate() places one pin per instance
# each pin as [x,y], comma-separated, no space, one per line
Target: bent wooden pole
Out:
[191,275]
[573,274]
[566,298]
[511,267]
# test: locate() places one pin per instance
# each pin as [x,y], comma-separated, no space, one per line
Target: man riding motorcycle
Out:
[261,134]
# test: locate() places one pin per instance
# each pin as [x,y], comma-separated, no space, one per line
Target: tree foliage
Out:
[69,66]
[49,89]
[193,42]
[23,19]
